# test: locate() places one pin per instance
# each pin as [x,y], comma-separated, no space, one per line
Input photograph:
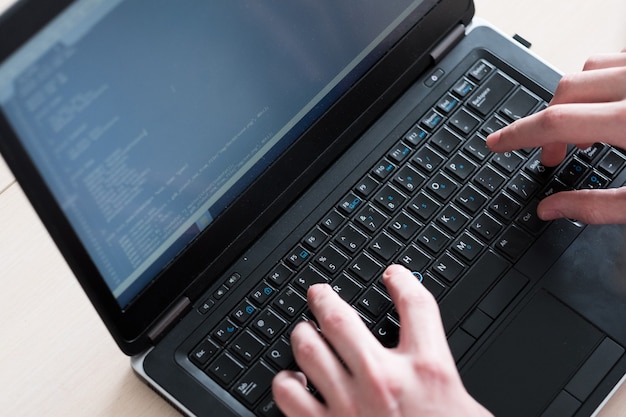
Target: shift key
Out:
[485,272]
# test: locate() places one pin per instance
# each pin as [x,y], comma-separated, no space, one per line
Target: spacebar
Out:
[472,286]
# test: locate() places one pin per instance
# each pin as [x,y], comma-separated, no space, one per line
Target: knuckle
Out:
[552,118]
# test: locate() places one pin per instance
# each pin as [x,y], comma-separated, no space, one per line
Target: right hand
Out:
[587,107]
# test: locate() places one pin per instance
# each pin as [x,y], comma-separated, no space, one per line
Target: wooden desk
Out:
[58,359]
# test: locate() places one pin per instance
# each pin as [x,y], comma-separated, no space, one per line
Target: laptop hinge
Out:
[170,318]
[447,43]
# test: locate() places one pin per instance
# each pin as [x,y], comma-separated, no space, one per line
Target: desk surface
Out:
[58,359]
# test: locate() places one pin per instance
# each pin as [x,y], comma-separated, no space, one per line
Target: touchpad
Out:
[529,363]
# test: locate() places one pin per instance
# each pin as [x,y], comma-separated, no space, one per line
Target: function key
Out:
[350,203]
[399,153]
[261,293]
[332,221]
[366,186]
[279,275]
[224,331]
[298,256]
[480,70]
[315,238]
[243,312]
[416,135]
[383,169]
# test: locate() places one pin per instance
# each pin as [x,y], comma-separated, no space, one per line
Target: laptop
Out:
[200,165]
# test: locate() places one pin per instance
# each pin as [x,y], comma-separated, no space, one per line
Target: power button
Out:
[434,77]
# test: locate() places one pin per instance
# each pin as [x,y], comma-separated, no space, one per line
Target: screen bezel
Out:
[201,263]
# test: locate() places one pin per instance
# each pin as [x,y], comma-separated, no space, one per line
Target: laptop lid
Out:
[157,140]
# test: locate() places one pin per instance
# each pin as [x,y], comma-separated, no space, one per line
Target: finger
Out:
[588,206]
[421,328]
[319,363]
[342,327]
[597,86]
[564,123]
[605,61]
[293,398]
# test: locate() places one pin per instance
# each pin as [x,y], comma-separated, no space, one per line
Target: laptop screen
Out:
[147,119]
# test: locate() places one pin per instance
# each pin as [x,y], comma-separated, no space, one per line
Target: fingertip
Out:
[493,140]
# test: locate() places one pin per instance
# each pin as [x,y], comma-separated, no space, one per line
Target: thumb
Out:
[588,206]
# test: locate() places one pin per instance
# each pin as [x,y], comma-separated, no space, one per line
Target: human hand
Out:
[587,107]
[417,378]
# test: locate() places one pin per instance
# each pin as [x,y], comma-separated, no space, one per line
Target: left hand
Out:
[357,376]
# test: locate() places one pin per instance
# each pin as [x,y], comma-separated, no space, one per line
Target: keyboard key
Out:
[452,219]
[460,167]
[371,219]
[409,179]
[203,353]
[224,331]
[480,70]
[486,226]
[427,160]
[350,203]
[513,242]
[254,384]
[507,161]
[389,199]
[383,169]
[297,257]
[366,186]
[442,186]
[591,153]
[280,354]
[470,199]
[519,105]
[433,239]
[350,239]
[332,221]
[470,288]
[384,246]
[346,287]
[268,324]
[424,206]
[467,247]
[330,259]
[225,369]
[246,347]
[416,135]
[594,180]
[477,148]
[308,277]
[399,153]
[529,220]
[493,124]
[448,267]
[279,275]
[611,163]
[289,302]
[572,172]
[243,312]
[387,331]
[462,88]
[464,122]
[365,268]
[448,104]
[485,99]
[523,187]
[414,259]
[432,120]
[445,141]
[504,207]
[261,293]
[489,180]
[373,303]
[403,226]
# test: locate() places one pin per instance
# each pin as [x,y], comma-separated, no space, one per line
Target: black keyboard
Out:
[440,203]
